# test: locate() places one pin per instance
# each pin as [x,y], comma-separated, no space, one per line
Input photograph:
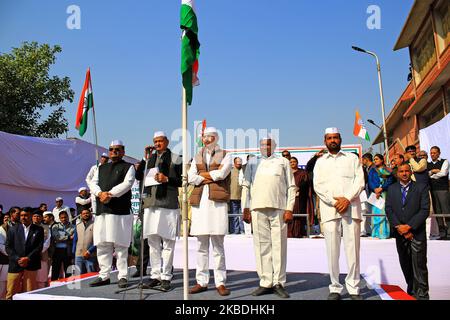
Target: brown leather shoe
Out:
[223,291]
[197,289]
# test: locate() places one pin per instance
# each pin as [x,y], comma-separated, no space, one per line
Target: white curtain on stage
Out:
[437,134]
[35,170]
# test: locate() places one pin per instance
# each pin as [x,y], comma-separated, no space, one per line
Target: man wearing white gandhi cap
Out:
[83,200]
[210,174]
[113,223]
[161,208]
[338,181]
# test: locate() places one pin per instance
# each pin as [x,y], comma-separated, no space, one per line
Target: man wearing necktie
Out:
[407,208]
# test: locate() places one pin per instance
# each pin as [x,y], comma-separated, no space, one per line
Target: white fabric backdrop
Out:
[35,170]
[437,134]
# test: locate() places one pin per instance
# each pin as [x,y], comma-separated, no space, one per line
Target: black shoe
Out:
[165,285]
[151,284]
[261,291]
[99,282]
[334,296]
[356,297]
[280,291]
[137,274]
[123,283]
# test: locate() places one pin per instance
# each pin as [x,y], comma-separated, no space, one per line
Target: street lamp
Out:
[373,123]
[386,147]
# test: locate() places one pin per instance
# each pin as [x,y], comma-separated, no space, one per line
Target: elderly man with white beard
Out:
[210,174]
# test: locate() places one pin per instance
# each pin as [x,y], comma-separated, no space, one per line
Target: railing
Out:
[442,215]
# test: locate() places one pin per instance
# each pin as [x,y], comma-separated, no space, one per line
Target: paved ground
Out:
[301,286]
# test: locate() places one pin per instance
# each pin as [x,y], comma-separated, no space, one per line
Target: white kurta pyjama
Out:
[113,232]
[340,175]
[210,222]
[210,217]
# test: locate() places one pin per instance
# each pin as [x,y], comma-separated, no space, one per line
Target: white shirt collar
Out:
[438,159]
[328,154]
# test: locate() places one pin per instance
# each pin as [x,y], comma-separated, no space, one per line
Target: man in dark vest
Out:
[161,208]
[438,172]
[407,208]
[210,174]
[418,165]
[113,222]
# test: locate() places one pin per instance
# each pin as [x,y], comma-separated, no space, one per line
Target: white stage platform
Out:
[379,260]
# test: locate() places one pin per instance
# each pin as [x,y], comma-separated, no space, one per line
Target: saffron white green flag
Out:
[359,130]
[86,103]
[189,47]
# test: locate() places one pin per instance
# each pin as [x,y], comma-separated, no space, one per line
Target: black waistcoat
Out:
[110,175]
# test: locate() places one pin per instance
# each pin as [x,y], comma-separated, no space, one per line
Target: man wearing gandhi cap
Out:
[161,208]
[113,223]
[210,174]
[59,207]
[83,201]
[338,181]
[268,198]
[103,159]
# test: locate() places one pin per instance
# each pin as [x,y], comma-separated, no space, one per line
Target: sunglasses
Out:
[115,149]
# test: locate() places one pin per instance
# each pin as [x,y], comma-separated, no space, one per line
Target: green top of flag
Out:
[190,47]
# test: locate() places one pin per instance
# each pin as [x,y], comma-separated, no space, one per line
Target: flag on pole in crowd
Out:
[359,130]
[189,47]
[200,136]
[86,103]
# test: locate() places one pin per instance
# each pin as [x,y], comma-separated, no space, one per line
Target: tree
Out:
[26,89]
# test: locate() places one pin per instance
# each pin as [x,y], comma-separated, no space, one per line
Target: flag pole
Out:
[184,208]
[95,124]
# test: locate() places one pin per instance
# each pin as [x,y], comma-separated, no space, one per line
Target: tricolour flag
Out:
[86,103]
[359,130]
[189,47]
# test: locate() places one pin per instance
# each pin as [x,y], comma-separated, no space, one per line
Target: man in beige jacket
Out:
[268,192]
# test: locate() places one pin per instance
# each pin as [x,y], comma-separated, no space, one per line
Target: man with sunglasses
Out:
[113,223]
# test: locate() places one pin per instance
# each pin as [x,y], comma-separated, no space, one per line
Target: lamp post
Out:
[373,123]
[386,146]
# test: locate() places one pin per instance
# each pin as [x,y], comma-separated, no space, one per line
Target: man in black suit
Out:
[23,245]
[407,208]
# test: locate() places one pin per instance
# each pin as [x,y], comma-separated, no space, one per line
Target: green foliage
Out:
[26,89]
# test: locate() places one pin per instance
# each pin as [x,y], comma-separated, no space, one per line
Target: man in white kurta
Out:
[269,194]
[161,209]
[60,207]
[338,181]
[90,176]
[210,218]
[113,228]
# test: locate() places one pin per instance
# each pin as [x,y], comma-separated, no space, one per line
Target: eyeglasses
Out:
[115,149]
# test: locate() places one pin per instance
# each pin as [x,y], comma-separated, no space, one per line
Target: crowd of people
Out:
[269,196]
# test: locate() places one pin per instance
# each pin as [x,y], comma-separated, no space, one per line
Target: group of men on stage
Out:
[268,198]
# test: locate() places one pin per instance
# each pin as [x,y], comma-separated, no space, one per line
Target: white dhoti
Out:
[112,233]
[332,230]
[210,222]
[270,242]
[3,280]
[161,226]
[42,275]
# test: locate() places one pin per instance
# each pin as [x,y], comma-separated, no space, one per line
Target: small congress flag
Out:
[190,47]
[359,130]
[86,103]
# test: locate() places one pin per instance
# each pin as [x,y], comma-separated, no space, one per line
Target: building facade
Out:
[426,99]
